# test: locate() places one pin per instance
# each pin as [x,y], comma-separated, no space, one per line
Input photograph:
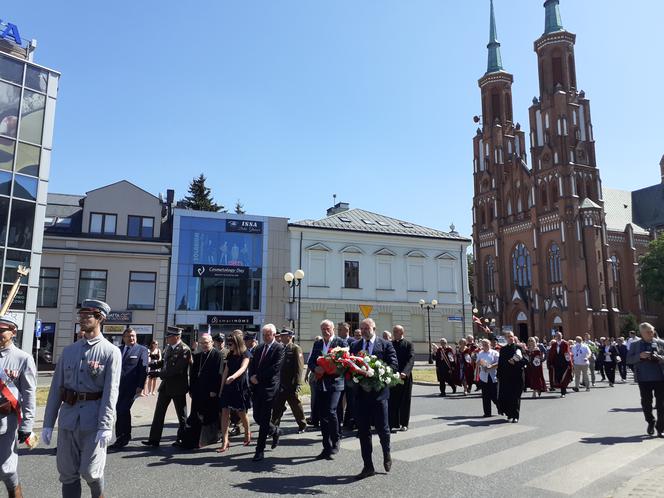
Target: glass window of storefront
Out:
[219,269]
[141,290]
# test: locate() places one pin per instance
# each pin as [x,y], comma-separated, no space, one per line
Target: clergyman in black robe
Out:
[511,363]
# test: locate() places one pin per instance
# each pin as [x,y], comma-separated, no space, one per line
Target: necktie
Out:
[265,348]
[124,352]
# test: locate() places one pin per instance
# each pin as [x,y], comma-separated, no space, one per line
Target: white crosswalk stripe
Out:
[571,478]
[458,443]
[428,430]
[516,455]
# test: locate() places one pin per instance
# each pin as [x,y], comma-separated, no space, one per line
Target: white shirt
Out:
[491,358]
[326,345]
[629,342]
[368,347]
[581,354]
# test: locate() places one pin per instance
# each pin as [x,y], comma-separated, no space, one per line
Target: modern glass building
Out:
[227,271]
[28,95]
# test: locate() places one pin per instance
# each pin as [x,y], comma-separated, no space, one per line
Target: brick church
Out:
[553,249]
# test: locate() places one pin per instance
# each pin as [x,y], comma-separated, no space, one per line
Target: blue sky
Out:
[284,103]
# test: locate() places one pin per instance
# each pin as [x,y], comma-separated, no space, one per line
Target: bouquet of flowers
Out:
[367,371]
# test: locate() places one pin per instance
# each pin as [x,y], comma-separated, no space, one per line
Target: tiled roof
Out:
[618,209]
[359,220]
[63,205]
[648,206]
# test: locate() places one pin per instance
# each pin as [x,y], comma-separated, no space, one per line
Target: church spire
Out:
[495,62]
[552,22]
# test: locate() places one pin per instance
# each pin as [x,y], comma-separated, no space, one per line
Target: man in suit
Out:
[132,380]
[372,406]
[400,395]
[174,387]
[264,376]
[328,390]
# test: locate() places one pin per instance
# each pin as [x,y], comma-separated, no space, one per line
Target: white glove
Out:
[46,434]
[103,437]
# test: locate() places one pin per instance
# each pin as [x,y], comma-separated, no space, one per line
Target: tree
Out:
[651,270]
[628,323]
[200,198]
[239,208]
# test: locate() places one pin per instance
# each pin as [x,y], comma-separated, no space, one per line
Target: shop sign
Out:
[244,226]
[230,319]
[9,32]
[220,271]
[119,317]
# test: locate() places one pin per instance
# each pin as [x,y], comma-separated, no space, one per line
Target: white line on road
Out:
[441,447]
[510,457]
[581,473]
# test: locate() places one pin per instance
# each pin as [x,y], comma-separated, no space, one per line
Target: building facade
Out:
[355,260]
[227,272]
[545,259]
[28,94]
[111,244]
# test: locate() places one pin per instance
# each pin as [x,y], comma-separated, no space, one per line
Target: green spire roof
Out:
[495,62]
[553,22]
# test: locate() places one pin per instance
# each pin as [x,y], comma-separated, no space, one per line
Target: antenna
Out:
[334,199]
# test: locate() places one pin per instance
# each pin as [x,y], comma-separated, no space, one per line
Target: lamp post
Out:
[294,280]
[429,307]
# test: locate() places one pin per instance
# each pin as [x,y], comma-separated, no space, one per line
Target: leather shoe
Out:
[324,455]
[148,442]
[404,428]
[118,444]
[258,457]
[387,462]
[178,444]
[366,472]
[335,449]
[651,428]
[275,439]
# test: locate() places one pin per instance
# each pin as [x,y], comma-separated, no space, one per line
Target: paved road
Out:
[588,444]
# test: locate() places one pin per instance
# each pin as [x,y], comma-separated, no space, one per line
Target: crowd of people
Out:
[96,383]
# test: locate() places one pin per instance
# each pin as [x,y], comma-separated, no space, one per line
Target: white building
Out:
[354,257]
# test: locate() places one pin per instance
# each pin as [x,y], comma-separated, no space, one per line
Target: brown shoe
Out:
[15,493]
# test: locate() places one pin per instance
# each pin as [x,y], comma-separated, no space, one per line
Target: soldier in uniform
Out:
[83,395]
[17,389]
[289,383]
[174,385]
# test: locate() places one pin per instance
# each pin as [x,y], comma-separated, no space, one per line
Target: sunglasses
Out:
[88,314]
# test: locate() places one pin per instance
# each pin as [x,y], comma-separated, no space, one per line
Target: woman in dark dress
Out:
[235,393]
[153,372]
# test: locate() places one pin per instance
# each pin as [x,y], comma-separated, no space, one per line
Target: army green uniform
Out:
[289,386]
[174,386]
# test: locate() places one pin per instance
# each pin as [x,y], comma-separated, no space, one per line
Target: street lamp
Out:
[429,307]
[294,280]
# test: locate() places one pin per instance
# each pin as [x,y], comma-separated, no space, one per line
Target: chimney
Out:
[661,168]
[339,207]
[170,196]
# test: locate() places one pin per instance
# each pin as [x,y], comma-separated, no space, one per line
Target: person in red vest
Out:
[534,369]
[559,363]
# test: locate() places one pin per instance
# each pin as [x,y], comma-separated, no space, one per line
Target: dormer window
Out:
[103,223]
[140,226]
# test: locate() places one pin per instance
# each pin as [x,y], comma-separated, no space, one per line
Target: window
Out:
[617,291]
[92,285]
[555,275]
[102,223]
[490,268]
[32,117]
[227,294]
[352,274]
[49,279]
[557,70]
[352,319]
[141,290]
[521,267]
[140,226]
[20,225]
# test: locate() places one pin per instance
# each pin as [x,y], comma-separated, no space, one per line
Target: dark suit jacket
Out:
[405,355]
[134,368]
[327,383]
[175,381]
[384,351]
[268,370]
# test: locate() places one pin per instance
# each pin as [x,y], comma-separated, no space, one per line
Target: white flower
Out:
[370,373]
[356,380]
[388,381]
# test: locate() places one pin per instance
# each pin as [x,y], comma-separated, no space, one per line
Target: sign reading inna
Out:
[9,32]
[244,226]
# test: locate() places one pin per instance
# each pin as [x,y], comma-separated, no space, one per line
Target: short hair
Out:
[400,327]
[371,321]
[647,326]
[328,322]
[485,341]
[128,330]
[345,325]
[270,327]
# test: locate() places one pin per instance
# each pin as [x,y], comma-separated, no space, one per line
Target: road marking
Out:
[510,457]
[354,443]
[581,473]
[441,447]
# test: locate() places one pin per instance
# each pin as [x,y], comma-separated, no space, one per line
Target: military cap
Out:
[287,332]
[96,305]
[218,337]
[173,331]
[249,336]
[8,320]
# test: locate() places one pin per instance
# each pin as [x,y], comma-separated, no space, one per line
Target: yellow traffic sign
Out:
[366,309]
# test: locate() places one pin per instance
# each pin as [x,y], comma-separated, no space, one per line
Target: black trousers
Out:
[369,410]
[163,400]
[123,414]
[622,369]
[610,369]
[263,416]
[399,403]
[489,395]
[647,389]
[328,402]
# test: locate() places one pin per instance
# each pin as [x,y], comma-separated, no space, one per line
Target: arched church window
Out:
[489,268]
[617,290]
[521,266]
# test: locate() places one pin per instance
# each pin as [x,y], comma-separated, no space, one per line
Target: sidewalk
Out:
[648,484]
